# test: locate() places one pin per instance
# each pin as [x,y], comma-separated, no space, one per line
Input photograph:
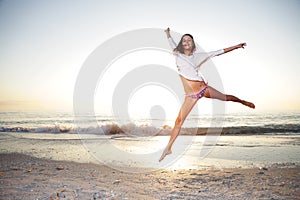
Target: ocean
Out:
[281,123]
[247,140]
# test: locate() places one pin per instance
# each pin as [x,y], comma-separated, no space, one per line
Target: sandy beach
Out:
[25,177]
[58,166]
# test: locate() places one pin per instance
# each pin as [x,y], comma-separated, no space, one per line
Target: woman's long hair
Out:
[179,47]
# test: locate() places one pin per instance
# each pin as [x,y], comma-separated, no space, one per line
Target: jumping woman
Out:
[189,60]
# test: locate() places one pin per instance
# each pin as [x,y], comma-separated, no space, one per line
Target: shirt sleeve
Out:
[172,43]
[201,58]
[215,53]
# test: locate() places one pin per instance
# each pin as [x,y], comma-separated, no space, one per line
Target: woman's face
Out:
[187,43]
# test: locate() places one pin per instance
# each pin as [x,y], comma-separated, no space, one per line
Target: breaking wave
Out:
[132,129]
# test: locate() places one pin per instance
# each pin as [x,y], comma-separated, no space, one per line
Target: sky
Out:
[43,45]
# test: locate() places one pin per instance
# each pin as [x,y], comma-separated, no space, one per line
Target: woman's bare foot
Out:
[249,104]
[165,153]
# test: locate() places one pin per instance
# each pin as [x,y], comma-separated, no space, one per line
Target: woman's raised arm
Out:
[172,43]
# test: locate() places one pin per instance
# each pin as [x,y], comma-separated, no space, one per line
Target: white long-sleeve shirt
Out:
[188,66]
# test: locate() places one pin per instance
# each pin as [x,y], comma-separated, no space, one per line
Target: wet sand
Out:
[188,152]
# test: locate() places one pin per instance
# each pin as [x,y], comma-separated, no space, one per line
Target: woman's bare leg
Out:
[186,108]
[215,94]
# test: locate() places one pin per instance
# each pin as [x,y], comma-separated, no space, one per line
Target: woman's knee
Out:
[178,121]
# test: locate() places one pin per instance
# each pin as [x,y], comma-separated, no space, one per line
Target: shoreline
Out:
[28,177]
[188,152]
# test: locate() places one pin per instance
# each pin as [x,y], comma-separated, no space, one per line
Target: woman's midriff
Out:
[191,86]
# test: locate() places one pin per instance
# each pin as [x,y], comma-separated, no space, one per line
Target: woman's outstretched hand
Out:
[242,45]
[168,32]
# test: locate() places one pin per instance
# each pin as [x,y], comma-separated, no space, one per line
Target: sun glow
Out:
[142,96]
